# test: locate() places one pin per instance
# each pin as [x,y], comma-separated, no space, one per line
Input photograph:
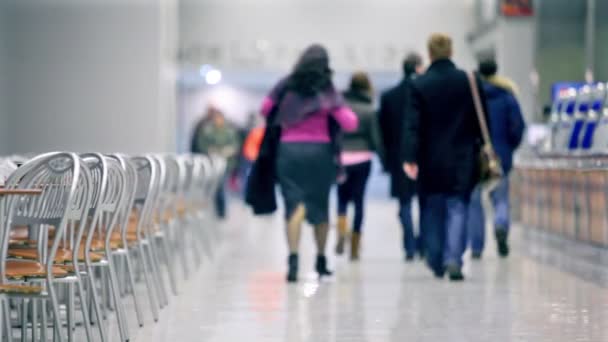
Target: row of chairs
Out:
[77,232]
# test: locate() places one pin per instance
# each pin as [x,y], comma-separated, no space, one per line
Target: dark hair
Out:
[410,63]
[311,74]
[360,83]
[488,67]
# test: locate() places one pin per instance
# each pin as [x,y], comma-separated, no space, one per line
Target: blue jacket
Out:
[506,121]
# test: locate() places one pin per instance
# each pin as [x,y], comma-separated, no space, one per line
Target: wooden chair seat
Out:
[19,269]
[17,289]
[62,256]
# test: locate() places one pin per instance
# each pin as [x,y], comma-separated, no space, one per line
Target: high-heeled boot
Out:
[321,266]
[355,245]
[342,231]
[292,273]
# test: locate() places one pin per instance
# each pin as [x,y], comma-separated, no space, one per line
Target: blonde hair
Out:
[440,46]
[360,82]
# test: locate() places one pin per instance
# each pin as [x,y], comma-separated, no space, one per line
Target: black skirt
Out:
[306,172]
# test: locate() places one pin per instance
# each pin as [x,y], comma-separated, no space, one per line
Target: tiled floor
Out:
[242,296]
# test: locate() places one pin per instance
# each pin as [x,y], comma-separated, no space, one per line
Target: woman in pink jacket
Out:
[305,103]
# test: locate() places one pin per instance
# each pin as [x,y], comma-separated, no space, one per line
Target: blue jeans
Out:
[443,223]
[476,219]
[405,216]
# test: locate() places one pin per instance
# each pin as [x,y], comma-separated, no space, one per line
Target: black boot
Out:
[292,274]
[455,273]
[501,242]
[321,266]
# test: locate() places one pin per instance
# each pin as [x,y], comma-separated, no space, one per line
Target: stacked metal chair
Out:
[95,219]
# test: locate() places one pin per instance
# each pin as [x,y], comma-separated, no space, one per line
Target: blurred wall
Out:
[90,75]
[3,84]
[268,34]
[561,43]
[601,41]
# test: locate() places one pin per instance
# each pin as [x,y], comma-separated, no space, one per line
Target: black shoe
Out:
[455,273]
[292,273]
[321,267]
[501,242]
[476,255]
[409,257]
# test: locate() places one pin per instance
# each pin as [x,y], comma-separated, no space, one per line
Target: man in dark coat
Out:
[393,104]
[441,147]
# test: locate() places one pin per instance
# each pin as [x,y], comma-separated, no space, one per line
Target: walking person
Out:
[216,137]
[358,151]
[507,127]
[306,104]
[393,104]
[442,144]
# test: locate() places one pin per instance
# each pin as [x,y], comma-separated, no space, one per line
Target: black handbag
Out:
[260,192]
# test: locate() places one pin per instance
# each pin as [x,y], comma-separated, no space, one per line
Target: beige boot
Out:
[355,245]
[342,232]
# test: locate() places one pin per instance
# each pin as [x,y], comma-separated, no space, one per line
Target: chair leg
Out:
[115,291]
[130,276]
[95,303]
[71,326]
[147,276]
[180,245]
[44,324]
[156,272]
[84,307]
[34,304]
[23,317]
[164,246]
[2,318]
[56,313]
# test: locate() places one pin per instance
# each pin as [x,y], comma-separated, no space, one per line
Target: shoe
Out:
[292,273]
[409,257]
[455,273]
[355,246]
[501,242]
[321,267]
[342,228]
[476,255]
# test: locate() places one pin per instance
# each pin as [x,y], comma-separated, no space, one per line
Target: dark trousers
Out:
[407,224]
[443,220]
[353,190]
[220,199]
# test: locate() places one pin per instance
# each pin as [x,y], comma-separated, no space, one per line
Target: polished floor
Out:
[241,295]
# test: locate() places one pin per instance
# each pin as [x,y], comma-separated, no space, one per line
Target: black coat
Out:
[393,105]
[442,133]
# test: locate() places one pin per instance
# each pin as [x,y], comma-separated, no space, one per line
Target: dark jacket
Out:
[393,105]
[442,132]
[365,138]
[507,123]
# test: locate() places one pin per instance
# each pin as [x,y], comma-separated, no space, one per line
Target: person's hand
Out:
[411,170]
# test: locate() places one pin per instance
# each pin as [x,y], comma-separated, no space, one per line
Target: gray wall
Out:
[561,43]
[90,76]
[601,41]
[269,34]
[3,84]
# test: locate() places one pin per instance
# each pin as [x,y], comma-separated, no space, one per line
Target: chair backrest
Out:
[65,199]
[109,182]
[130,189]
[147,190]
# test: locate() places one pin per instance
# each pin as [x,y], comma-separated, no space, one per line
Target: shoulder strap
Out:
[481,118]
